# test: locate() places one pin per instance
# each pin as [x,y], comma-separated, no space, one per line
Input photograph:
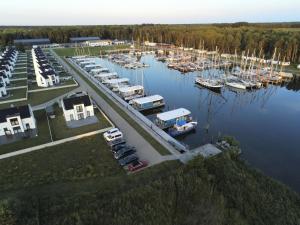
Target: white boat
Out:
[234,82]
[236,85]
[169,119]
[182,128]
[116,83]
[147,103]
[129,93]
[213,84]
[104,77]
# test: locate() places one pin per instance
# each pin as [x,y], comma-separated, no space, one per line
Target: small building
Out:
[298,67]
[2,90]
[132,92]
[147,103]
[150,44]
[4,79]
[168,119]
[32,41]
[99,43]
[83,39]
[77,107]
[118,42]
[16,120]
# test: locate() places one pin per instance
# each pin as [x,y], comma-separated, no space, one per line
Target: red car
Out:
[136,165]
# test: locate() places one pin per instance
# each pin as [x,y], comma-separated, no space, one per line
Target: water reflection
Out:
[266,121]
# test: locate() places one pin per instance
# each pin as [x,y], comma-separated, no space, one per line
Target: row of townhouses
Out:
[20,120]
[44,73]
[7,62]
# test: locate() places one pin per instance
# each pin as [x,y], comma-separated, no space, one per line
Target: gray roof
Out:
[81,39]
[32,41]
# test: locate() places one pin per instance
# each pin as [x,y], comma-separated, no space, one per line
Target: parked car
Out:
[117,147]
[124,152]
[116,142]
[112,135]
[136,165]
[127,160]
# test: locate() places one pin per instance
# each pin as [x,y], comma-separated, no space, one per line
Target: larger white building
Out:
[77,107]
[44,73]
[16,120]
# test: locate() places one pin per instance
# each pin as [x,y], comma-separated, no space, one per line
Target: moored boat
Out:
[181,127]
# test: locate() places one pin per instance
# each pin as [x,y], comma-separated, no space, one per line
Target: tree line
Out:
[227,37]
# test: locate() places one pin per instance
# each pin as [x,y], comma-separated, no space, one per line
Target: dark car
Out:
[127,160]
[116,142]
[116,148]
[124,152]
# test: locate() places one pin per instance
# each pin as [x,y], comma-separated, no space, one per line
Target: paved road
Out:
[144,150]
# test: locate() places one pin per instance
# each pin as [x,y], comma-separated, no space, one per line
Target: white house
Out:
[16,120]
[4,79]
[95,43]
[44,73]
[2,90]
[150,44]
[118,42]
[77,107]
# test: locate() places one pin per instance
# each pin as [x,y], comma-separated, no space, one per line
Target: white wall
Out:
[68,113]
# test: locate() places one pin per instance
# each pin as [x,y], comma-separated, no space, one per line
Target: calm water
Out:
[266,122]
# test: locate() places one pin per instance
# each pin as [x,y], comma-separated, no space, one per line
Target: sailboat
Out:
[211,83]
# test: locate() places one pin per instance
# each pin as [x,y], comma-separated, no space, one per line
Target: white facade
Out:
[97,43]
[298,66]
[2,91]
[45,75]
[150,44]
[16,124]
[79,110]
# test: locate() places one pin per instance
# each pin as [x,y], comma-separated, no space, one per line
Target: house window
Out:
[88,114]
[79,108]
[14,122]
[27,125]
[71,117]
[6,131]
[17,130]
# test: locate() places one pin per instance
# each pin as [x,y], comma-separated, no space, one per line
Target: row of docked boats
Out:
[128,61]
[174,122]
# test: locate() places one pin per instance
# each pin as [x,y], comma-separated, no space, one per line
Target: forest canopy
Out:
[228,38]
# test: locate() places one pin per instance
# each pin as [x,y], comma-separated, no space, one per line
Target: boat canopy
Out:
[117,81]
[106,75]
[131,89]
[148,99]
[99,70]
[174,114]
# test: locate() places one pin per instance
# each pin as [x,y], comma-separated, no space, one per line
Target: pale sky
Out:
[92,12]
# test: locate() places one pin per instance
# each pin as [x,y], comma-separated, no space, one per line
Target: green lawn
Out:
[20,70]
[60,130]
[16,94]
[33,86]
[21,75]
[43,135]
[18,83]
[38,98]
[160,148]
[87,50]
[72,161]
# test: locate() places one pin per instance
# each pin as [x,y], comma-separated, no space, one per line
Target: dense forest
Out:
[210,192]
[227,37]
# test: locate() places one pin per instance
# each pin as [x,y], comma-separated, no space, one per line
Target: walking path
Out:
[50,144]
